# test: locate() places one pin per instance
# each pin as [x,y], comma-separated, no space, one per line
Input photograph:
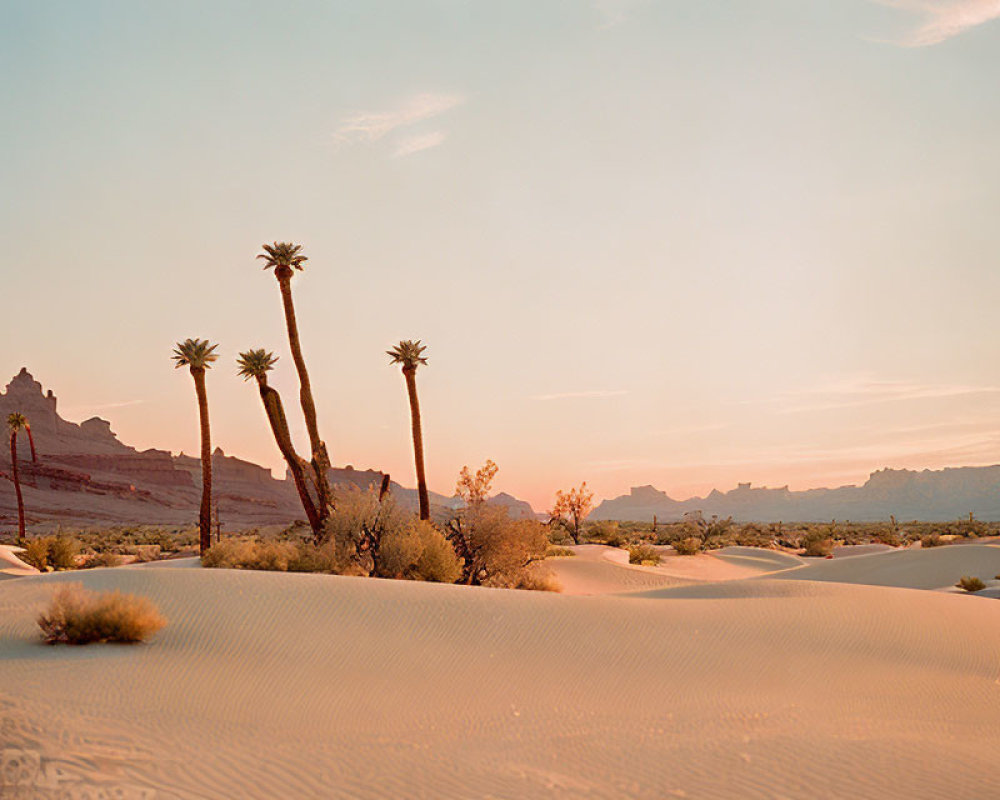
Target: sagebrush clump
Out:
[80,616]
[970,583]
[644,554]
[51,552]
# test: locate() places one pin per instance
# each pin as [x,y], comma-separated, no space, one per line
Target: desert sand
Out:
[781,685]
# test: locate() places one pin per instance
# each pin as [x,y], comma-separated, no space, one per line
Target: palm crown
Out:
[255,363]
[194,353]
[16,422]
[407,353]
[282,254]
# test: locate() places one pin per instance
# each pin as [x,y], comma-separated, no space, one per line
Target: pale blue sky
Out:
[645,242]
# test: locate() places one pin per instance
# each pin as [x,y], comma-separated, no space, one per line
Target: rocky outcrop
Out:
[932,495]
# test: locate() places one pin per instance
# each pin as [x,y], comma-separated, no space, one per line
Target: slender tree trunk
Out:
[31,443]
[418,442]
[320,457]
[279,427]
[17,488]
[205,512]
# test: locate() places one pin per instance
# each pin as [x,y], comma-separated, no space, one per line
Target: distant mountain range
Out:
[86,476]
[930,495]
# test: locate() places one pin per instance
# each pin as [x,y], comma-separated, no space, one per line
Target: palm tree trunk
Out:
[320,458]
[17,489]
[279,427]
[31,442]
[205,512]
[418,442]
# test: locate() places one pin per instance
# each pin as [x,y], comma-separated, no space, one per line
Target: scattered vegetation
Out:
[51,553]
[644,554]
[818,542]
[79,616]
[970,583]
[571,509]
[688,546]
[559,552]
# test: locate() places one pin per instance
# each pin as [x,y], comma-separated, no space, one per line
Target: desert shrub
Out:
[105,559]
[818,542]
[687,546]
[643,554]
[79,616]
[63,551]
[357,525]
[36,553]
[970,583]
[56,552]
[249,554]
[559,552]
[537,580]
[145,553]
[418,552]
[311,557]
[931,540]
[606,532]
[752,535]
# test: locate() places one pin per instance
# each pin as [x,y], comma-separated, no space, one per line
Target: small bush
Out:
[970,584]
[36,553]
[605,532]
[688,546]
[643,554]
[537,580]
[559,552]
[418,552]
[79,616]
[818,543]
[106,559]
[931,540]
[249,554]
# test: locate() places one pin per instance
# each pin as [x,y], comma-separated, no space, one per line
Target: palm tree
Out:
[31,442]
[15,422]
[285,258]
[256,364]
[408,353]
[198,355]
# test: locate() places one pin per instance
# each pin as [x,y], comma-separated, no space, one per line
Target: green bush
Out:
[970,583]
[79,616]
[643,554]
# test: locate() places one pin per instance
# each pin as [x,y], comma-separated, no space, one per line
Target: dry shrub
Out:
[559,552]
[106,559]
[250,554]
[36,553]
[643,554]
[932,540]
[970,583]
[688,546]
[606,532]
[818,542]
[57,552]
[538,580]
[79,616]
[504,548]
[752,535]
[418,552]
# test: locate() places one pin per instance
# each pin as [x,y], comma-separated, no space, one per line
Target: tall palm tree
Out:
[408,353]
[198,355]
[15,422]
[285,258]
[31,442]
[256,364]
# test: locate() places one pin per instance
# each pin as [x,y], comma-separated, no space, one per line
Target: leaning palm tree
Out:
[408,353]
[285,258]
[31,442]
[15,422]
[198,355]
[256,364]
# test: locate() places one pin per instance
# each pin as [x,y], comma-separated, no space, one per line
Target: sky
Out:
[657,242]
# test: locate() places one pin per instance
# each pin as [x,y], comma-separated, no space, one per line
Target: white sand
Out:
[277,685]
[11,566]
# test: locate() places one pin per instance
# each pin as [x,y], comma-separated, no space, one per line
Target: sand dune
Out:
[932,568]
[278,685]
[11,566]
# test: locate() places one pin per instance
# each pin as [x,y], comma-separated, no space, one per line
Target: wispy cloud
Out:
[686,430]
[586,394]
[77,411]
[944,19]
[370,126]
[857,391]
[422,141]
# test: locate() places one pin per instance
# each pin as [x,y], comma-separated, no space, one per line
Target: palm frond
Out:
[283,254]
[194,353]
[255,363]
[407,353]
[16,421]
